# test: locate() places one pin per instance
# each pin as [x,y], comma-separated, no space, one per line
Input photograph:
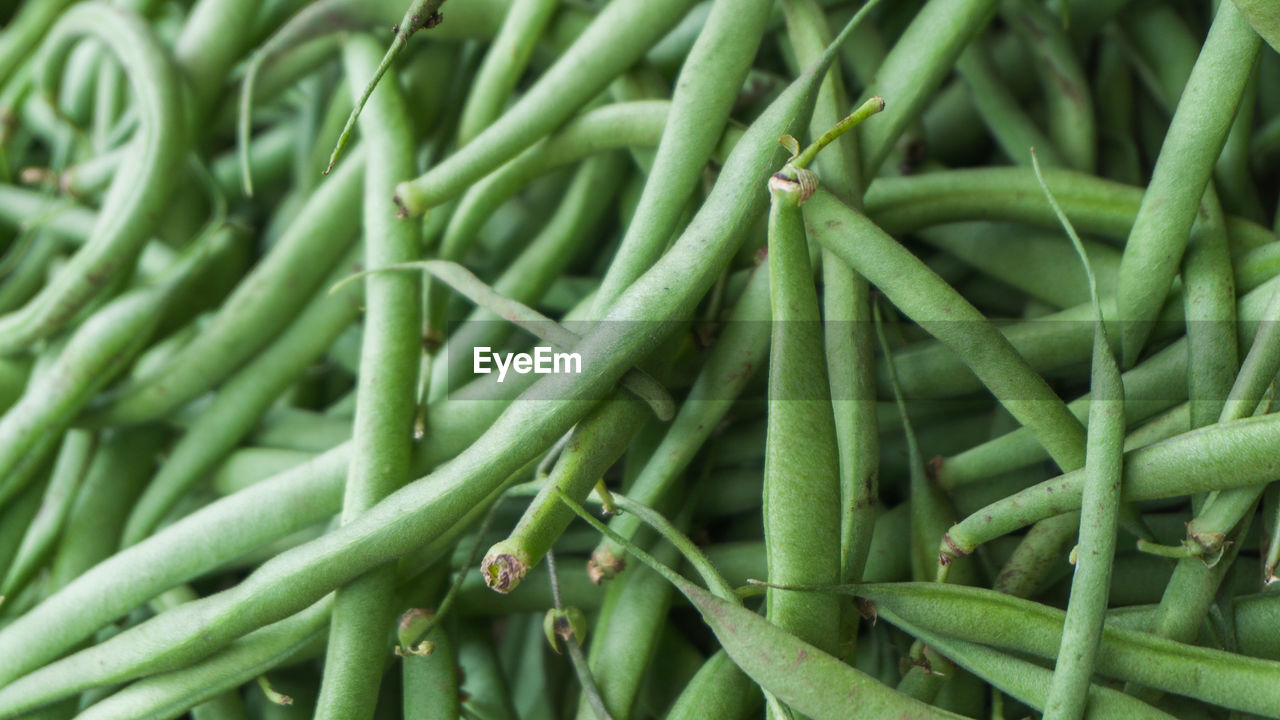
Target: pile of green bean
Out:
[908,358]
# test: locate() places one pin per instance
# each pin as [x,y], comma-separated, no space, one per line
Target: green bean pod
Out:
[618,36]
[1222,456]
[801,467]
[704,95]
[166,694]
[1171,202]
[1024,680]
[64,482]
[503,64]
[1000,620]
[262,303]
[914,68]
[382,431]
[237,407]
[140,189]
[846,305]
[944,313]
[1099,510]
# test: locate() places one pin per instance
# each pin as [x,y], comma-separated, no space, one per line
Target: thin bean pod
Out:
[141,188]
[1182,172]
[914,68]
[1024,680]
[846,305]
[238,406]
[1100,507]
[1003,621]
[618,36]
[64,482]
[262,303]
[503,64]
[382,429]
[1223,456]
[944,313]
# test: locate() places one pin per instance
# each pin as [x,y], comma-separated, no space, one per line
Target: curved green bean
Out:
[140,189]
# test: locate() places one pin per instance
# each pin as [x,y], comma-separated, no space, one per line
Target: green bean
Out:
[1013,130]
[1209,300]
[1003,621]
[618,37]
[801,495]
[503,63]
[719,689]
[704,95]
[423,509]
[1232,171]
[1262,18]
[739,351]
[431,682]
[1094,206]
[845,300]
[1170,205]
[237,407]
[623,642]
[914,68]
[594,445]
[95,352]
[382,430]
[121,466]
[140,189]
[263,302]
[942,311]
[209,45]
[804,677]
[1024,680]
[1222,456]
[68,471]
[1100,507]
[1069,104]
[164,694]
